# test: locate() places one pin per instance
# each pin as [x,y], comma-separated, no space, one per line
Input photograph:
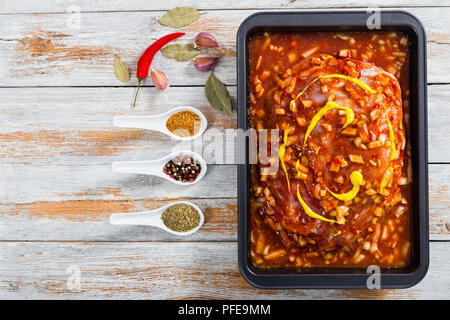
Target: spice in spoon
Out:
[183,168]
[184,123]
[181,217]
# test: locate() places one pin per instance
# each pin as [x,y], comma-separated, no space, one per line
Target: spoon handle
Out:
[142,167]
[141,122]
[147,218]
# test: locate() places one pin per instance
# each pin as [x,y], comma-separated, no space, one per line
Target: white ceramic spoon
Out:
[153,218]
[156,167]
[158,122]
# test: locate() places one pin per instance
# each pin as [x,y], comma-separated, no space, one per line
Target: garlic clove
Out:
[204,64]
[160,79]
[205,40]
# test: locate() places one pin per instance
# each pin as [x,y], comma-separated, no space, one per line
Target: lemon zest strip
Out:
[311,213]
[356,178]
[392,139]
[349,114]
[281,152]
[356,81]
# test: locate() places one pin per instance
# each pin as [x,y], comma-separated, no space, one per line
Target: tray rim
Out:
[337,279]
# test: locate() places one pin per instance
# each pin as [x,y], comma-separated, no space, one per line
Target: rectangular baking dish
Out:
[341,21]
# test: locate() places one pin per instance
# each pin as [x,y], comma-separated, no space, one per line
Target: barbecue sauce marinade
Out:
[341,195]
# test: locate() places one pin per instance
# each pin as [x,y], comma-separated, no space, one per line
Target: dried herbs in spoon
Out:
[181,217]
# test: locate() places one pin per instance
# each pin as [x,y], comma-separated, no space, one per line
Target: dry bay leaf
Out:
[217,94]
[121,70]
[180,52]
[179,17]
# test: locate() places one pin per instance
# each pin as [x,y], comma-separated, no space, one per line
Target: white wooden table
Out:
[58,95]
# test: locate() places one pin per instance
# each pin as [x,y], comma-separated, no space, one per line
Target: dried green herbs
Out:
[181,217]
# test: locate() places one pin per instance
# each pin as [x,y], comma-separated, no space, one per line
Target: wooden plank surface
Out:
[87,220]
[25,184]
[57,142]
[58,6]
[74,203]
[46,50]
[180,270]
[73,126]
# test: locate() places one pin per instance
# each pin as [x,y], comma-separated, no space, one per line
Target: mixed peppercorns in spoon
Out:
[183,168]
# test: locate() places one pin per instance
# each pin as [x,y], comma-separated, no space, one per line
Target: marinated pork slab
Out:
[341,195]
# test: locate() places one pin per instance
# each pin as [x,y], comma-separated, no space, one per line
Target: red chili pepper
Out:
[393,84]
[146,59]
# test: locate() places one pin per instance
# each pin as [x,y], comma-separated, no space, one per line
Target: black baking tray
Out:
[341,21]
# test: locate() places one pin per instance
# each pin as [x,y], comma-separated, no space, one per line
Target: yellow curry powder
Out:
[184,123]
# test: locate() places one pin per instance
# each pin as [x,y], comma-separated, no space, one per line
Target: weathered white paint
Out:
[56,145]
[167,271]
[79,220]
[42,50]
[60,198]
[73,126]
[438,137]
[25,184]
[62,6]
